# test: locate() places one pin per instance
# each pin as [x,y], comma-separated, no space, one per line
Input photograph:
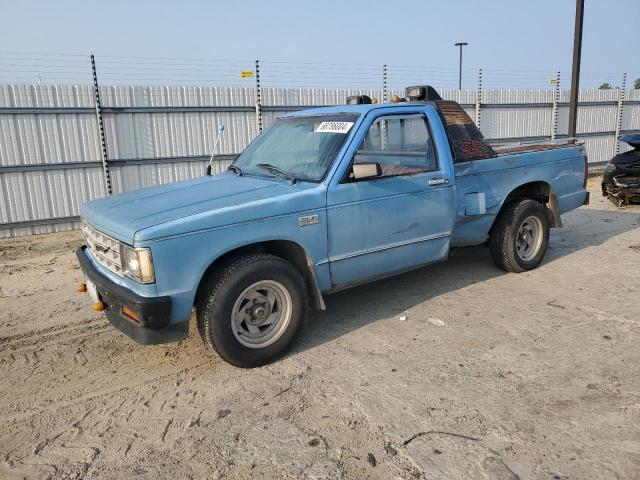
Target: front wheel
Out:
[251,310]
[520,237]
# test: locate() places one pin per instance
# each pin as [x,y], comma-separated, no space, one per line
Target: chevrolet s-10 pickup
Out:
[322,200]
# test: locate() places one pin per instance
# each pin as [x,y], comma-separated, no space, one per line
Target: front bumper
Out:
[154,312]
[620,188]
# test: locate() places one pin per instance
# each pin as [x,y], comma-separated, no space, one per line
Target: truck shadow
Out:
[352,309]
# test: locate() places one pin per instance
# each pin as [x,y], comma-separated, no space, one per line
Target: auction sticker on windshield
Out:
[334,127]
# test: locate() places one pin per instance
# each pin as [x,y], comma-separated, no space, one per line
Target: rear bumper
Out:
[154,312]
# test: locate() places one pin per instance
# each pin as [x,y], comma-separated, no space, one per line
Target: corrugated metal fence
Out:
[50,151]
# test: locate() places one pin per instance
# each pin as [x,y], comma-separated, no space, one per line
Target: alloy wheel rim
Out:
[261,314]
[529,238]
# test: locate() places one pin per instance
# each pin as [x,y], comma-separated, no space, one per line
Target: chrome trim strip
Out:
[388,247]
[424,191]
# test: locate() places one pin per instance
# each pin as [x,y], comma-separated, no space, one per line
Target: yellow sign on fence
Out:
[246,73]
[553,81]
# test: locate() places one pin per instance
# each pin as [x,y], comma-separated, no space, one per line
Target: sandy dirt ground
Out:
[490,375]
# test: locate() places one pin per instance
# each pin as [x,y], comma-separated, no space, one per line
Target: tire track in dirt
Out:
[42,338]
[29,350]
[138,380]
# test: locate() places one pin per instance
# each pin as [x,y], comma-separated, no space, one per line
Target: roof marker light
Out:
[422,93]
[358,100]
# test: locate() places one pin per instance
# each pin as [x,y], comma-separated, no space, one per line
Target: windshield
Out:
[297,147]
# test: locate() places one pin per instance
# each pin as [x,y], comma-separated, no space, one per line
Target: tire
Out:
[234,312]
[522,222]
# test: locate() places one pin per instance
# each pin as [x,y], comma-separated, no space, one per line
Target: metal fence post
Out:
[479,99]
[621,94]
[258,98]
[554,110]
[103,143]
[384,83]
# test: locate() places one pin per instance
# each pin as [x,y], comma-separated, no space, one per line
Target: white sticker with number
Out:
[334,127]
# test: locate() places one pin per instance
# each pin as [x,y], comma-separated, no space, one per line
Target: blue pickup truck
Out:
[322,200]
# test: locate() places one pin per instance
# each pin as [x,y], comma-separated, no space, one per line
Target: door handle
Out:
[438,181]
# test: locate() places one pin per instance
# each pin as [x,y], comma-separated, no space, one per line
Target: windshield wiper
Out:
[235,168]
[277,171]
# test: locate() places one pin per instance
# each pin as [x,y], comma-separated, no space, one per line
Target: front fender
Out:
[181,261]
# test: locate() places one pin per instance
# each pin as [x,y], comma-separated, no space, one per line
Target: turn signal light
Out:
[82,288]
[131,314]
[98,306]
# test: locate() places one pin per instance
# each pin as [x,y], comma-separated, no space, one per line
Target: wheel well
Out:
[285,249]
[535,190]
[541,191]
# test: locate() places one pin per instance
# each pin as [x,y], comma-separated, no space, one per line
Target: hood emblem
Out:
[100,248]
[308,220]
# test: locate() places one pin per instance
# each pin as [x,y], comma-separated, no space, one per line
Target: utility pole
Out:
[460,44]
[575,69]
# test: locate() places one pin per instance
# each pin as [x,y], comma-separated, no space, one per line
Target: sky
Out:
[302,43]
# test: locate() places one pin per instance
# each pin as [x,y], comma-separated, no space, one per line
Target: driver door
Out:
[398,220]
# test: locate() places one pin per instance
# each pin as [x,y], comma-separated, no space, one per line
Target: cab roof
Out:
[359,109]
[362,104]
[466,140]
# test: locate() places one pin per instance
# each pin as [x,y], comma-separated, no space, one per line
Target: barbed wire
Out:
[72,68]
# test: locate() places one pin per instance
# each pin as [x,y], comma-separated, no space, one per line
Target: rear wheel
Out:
[251,310]
[520,237]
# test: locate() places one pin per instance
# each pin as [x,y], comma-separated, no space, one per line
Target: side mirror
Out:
[363,171]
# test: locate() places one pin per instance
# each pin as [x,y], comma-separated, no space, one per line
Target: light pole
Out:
[460,44]
[575,70]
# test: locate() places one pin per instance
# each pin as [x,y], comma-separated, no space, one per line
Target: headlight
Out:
[137,264]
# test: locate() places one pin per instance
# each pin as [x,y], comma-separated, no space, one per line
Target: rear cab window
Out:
[466,141]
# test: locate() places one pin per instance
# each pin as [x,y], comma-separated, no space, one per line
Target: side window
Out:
[401,145]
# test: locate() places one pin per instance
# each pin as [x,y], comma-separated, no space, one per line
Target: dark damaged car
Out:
[621,178]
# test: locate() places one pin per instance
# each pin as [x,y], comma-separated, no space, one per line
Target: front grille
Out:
[105,250]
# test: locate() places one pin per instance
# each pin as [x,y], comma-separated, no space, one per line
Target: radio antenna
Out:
[215,144]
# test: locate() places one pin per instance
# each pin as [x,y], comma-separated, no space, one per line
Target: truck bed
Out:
[556,164]
[523,147]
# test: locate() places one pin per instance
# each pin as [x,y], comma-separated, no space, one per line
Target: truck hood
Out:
[121,216]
